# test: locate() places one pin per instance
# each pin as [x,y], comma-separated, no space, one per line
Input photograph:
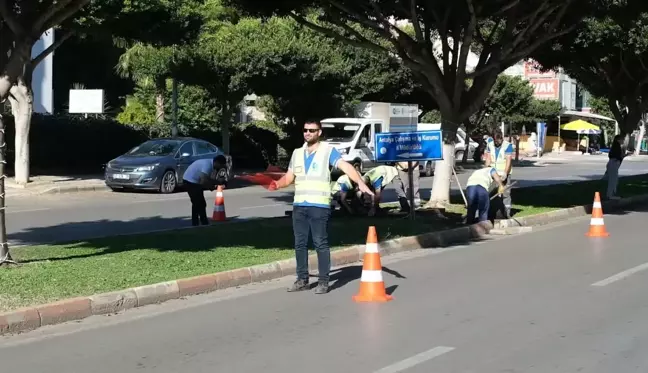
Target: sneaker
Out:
[322,288]
[299,285]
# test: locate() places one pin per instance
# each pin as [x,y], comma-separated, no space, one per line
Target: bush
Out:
[76,145]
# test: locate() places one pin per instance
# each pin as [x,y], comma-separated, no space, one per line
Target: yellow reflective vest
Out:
[481,177]
[312,186]
[388,173]
[499,161]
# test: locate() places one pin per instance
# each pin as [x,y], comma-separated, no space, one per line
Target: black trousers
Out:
[198,203]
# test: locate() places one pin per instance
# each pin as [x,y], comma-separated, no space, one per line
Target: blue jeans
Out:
[478,201]
[314,222]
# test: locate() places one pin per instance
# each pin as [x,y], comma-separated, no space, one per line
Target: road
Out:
[549,301]
[85,215]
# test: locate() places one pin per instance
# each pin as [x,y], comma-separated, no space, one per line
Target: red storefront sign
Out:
[546,89]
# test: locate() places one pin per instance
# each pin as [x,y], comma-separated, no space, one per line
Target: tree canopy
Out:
[608,55]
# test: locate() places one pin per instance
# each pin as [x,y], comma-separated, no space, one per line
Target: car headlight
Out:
[146,168]
[344,151]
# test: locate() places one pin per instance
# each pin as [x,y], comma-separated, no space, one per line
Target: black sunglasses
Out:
[311,130]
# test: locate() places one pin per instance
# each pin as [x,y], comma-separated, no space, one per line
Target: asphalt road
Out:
[84,215]
[549,301]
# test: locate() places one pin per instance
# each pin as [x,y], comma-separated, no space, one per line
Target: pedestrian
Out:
[403,184]
[310,169]
[200,175]
[378,178]
[615,157]
[477,192]
[499,155]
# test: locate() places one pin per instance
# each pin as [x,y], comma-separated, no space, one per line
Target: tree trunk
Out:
[5,256]
[22,106]
[642,133]
[160,92]
[440,197]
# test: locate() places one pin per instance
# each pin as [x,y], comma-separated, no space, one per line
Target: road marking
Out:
[415,360]
[262,206]
[621,275]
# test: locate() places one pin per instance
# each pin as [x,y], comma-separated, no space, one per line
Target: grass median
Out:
[52,272]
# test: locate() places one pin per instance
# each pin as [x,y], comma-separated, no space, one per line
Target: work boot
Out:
[299,285]
[322,288]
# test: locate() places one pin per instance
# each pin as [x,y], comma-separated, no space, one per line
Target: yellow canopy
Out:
[581,126]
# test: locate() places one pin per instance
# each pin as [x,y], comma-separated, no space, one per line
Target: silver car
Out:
[159,164]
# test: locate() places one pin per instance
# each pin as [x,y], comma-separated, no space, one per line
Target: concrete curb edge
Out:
[34,317]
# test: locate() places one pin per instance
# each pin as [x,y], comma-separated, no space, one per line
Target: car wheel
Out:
[459,155]
[429,170]
[358,166]
[168,183]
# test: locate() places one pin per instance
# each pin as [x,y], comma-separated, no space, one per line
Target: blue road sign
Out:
[409,146]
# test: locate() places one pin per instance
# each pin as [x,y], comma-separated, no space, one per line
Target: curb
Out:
[74,189]
[30,318]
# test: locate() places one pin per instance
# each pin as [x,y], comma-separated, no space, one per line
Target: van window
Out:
[366,133]
[378,127]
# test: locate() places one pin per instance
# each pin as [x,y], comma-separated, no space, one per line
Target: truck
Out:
[354,137]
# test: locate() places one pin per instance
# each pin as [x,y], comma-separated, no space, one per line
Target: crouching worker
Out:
[378,178]
[344,192]
[477,193]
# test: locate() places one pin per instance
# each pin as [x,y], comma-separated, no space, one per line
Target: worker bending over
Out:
[378,178]
[499,155]
[345,192]
[477,193]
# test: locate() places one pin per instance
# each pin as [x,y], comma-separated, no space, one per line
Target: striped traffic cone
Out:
[372,287]
[597,225]
[219,206]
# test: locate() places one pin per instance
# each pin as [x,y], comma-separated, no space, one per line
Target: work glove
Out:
[500,189]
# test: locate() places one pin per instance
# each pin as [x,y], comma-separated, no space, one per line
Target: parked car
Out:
[159,164]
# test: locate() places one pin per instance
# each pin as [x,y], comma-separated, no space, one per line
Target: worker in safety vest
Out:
[310,169]
[499,155]
[477,192]
[344,191]
[378,178]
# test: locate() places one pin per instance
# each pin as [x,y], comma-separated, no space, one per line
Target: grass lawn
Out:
[54,272]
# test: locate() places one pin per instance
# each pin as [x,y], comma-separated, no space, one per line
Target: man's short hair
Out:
[497,135]
[313,121]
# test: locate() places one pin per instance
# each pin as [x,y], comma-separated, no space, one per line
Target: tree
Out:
[608,55]
[21,25]
[437,44]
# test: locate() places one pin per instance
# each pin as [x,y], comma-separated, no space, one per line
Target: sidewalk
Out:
[48,184]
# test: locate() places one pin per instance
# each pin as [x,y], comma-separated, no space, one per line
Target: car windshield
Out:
[339,132]
[155,148]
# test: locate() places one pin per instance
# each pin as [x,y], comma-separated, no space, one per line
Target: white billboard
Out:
[86,101]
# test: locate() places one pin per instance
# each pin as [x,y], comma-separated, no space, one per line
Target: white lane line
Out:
[415,360]
[621,275]
[262,206]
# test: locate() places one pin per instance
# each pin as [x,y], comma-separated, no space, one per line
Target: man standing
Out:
[615,157]
[310,170]
[402,187]
[200,175]
[477,191]
[499,155]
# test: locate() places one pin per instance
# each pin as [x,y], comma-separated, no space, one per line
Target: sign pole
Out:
[410,176]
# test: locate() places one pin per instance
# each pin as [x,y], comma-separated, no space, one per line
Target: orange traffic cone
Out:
[219,206]
[372,287]
[597,225]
